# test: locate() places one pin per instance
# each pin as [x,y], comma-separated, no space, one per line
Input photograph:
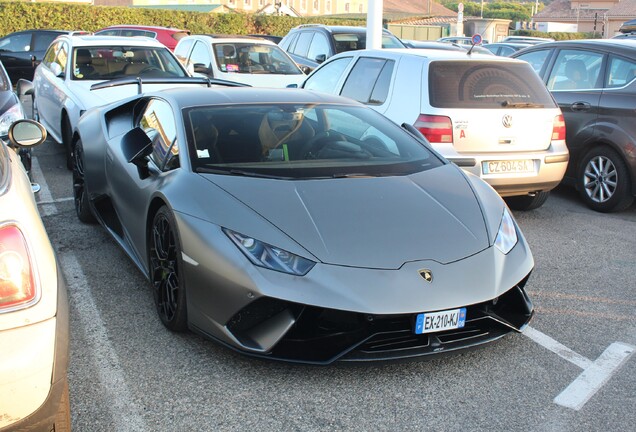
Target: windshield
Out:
[357,41]
[108,62]
[253,58]
[301,141]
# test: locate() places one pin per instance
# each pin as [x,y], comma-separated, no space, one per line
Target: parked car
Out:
[253,61]
[34,322]
[271,38]
[631,35]
[505,49]
[10,106]
[166,35]
[449,46]
[532,40]
[311,44]
[593,81]
[461,40]
[490,115]
[22,51]
[357,251]
[63,82]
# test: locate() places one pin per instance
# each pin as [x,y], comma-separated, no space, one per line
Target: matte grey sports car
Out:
[302,227]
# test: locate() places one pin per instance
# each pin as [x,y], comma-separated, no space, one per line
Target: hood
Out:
[379,222]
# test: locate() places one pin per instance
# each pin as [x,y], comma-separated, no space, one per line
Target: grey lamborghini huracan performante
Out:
[301,227]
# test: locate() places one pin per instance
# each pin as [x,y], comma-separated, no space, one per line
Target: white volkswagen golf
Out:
[490,115]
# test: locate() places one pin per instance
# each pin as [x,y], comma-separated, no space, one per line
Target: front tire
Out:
[164,253]
[603,181]
[527,202]
[80,195]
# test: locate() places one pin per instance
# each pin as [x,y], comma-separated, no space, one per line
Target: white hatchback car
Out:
[253,61]
[73,64]
[34,320]
[490,115]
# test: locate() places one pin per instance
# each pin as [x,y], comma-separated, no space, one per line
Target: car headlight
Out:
[12,114]
[507,236]
[270,257]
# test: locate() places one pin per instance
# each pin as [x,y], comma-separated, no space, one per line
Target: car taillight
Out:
[17,284]
[436,129]
[558,128]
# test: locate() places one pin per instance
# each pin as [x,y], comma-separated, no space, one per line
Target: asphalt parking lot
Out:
[573,369]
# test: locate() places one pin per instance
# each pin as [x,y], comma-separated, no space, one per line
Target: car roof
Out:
[194,96]
[430,53]
[229,38]
[142,27]
[96,40]
[616,45]
[338,28]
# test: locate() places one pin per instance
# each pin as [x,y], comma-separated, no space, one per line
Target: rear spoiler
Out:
[174,80]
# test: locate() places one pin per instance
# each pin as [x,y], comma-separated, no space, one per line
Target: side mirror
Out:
[56,70]
[306,70]
[26,133]
[202,69]
[136,147]
[24,87]
[320,58]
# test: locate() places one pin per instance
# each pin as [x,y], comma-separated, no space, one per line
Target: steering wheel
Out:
[315,144]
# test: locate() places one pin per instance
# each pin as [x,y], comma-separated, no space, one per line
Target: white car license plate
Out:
[438,321]
[508,166]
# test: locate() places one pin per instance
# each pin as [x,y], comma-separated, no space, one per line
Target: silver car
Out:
[490,115]
[33,302]
[301,227]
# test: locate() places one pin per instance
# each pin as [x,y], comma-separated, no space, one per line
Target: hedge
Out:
[17,15]
[558,35]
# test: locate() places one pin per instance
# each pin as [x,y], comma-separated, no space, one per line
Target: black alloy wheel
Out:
[80,195]
[603,181]
[67,137]
[165,264]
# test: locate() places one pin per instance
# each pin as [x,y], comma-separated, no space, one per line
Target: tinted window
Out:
[288,43]
[536,59]
[109,33]
[575,70]
[622,71]
[302,46]
[319,45]
[159,124]
[326,77]
[16,43]
[41,41]
[363,79]
[253,58]
[477,84]
[301,141]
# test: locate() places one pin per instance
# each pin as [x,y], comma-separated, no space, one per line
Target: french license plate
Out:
[438,321]
[507,166]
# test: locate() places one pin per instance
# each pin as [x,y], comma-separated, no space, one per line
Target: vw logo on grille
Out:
[427,275]
[507,120]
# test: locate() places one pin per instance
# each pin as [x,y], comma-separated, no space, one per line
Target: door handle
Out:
[580,106]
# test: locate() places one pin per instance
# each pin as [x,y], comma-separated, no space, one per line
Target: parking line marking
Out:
[58,200]
[123,411]
[44,195]
[556,347]
[594,376]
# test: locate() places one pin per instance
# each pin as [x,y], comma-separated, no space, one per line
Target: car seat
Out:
[279,128]
[83,63]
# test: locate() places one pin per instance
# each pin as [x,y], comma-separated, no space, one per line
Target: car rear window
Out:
[484,84]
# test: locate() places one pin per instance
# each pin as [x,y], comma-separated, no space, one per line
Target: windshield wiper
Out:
[509,104]
[205,170]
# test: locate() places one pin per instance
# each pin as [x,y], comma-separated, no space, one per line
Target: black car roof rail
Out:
[175,80]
